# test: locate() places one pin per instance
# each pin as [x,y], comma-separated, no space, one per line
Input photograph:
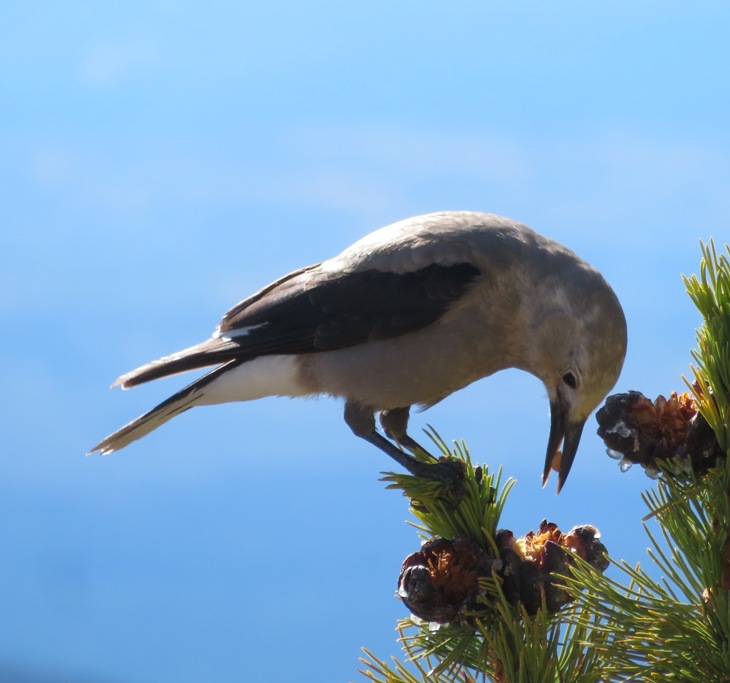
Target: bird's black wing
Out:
[313,310]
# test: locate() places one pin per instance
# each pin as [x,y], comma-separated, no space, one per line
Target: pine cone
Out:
[637,430]
[440,582]
[532,563]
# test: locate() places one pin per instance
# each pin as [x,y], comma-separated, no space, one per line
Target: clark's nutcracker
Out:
[406,316]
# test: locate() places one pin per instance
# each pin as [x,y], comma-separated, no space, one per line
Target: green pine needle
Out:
[476,516]
[711,295]
[499,641]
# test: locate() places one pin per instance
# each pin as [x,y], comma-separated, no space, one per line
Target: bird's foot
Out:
[447,471]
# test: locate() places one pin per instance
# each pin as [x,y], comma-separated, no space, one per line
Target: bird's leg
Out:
[439,471]
[362,422]
[395,425]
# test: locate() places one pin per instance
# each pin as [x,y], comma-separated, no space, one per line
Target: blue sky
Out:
[161,160]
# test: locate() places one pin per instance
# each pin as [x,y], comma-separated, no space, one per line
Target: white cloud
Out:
[107,63]
[638,184]
[51,166]
[422,152]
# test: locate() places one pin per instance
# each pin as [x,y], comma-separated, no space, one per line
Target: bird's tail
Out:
[191,395]
[211,352]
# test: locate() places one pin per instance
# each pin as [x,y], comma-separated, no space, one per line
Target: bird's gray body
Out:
[406,316]
[479,335]
[427,365]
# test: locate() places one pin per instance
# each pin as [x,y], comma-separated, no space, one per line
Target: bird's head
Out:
[578,355]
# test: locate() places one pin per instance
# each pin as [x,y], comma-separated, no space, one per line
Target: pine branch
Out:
[677,628]
[586,627]
[508,627]
[711,294]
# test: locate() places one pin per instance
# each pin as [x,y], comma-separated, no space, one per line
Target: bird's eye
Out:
[570,380]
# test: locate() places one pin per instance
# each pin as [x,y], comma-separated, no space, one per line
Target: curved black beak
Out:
[567,432]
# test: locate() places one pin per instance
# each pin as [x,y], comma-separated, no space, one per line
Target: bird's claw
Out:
[450,473]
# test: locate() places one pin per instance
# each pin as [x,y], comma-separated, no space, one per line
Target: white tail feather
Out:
[234,381]
[147,423]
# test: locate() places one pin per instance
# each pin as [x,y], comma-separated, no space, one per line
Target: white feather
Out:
[263,376]
[239,332]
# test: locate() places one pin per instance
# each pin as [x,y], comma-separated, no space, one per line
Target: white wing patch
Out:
[228,335]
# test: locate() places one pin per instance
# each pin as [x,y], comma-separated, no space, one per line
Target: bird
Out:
[404,317]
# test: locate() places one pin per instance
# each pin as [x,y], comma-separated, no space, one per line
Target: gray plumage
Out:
[406,316]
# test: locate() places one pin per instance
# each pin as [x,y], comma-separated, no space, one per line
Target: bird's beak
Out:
[567,432]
